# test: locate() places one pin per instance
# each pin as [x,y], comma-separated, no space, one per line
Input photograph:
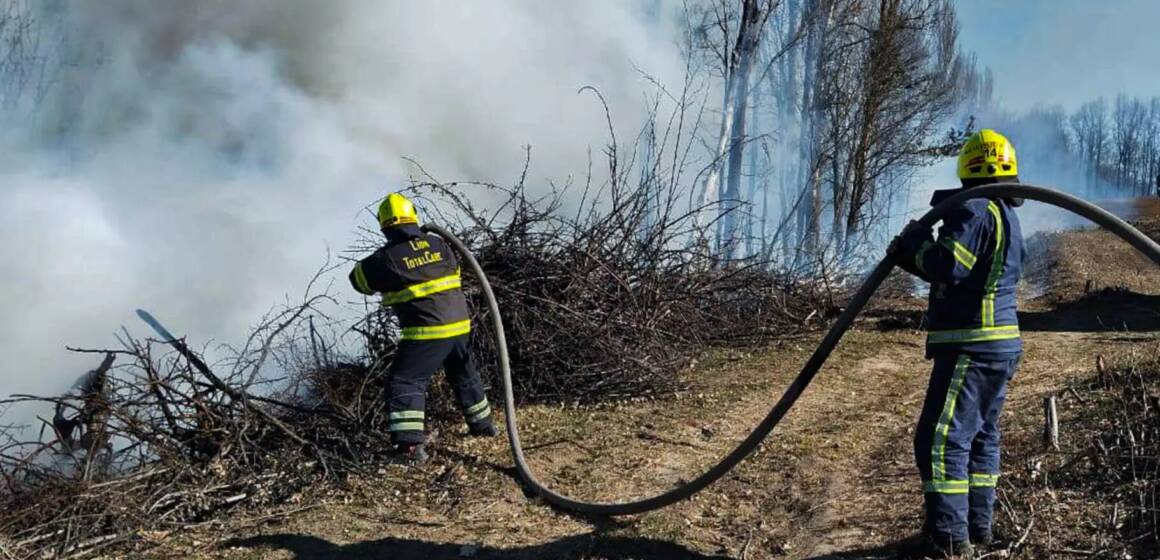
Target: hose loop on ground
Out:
[1001,190]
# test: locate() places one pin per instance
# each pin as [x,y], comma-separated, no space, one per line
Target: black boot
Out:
[988,541]
[412,454]
[482,429]
[940,548]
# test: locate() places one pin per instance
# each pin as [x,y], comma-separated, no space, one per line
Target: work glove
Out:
[902,241]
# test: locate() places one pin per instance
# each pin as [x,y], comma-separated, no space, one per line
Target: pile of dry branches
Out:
[610,299]
[170,442]
[613,294]
[596,306]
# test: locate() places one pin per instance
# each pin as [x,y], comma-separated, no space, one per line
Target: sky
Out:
[1064,52]
[1053,52]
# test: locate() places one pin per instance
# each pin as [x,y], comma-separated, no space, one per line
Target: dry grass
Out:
[1097,495]
[1073,264]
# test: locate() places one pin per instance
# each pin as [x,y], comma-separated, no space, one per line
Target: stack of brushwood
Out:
[165,444]
[611,301]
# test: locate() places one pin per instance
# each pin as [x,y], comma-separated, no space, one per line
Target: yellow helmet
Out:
[987,154]
[396,210]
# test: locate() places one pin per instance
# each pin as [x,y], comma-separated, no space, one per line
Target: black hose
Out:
[795,390]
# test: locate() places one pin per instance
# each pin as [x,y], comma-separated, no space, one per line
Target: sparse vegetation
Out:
[1096,496]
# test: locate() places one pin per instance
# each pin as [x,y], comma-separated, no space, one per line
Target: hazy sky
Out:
[1065,52]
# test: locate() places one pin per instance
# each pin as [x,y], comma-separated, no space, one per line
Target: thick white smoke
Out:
[199,158]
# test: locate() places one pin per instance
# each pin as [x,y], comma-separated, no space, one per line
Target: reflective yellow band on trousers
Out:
[477,411]
[946,486]
[984,480]
[423,289]
[942,429]
[982,334]
[406,427]
[407,415]
[476,407]
[437,332]
[406,421]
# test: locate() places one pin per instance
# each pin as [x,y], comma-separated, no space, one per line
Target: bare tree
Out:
[877,84]
[837,102]
[906,87]
[1150,148]
[31,38]
[1089,126]
[732,38]
[754,15]
[1118,148]
[1127,119]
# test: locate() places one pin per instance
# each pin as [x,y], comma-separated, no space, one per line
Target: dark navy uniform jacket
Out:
[973,266]
[418,276]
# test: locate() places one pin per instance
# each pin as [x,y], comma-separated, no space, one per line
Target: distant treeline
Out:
[1120,141]
[1102,149]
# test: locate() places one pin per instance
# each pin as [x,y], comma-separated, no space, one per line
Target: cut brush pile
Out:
[611,303]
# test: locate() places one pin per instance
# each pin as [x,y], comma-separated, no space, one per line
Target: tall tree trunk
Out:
[810,153]
[749,35]
[710,192]
[751,233]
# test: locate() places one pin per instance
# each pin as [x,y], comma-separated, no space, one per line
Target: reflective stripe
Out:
[473,418]
[406,427]
[946,486]
[360,279]
[926,245]
[407,415]
[437,331]
[942,430]
[423,289]
[992,285]
[477,412]
[973,335]
[961,252]
[984,480]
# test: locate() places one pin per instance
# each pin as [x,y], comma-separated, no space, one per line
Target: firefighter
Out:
[973,338]
[418,277]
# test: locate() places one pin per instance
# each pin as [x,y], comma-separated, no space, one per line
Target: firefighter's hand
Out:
[895,245]
[898,242]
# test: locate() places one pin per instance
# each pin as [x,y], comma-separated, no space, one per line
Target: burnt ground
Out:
[836,480]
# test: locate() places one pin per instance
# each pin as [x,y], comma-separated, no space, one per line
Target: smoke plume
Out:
[199,158]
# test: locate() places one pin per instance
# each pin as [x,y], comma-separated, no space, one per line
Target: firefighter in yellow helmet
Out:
[973,338]
[418,277]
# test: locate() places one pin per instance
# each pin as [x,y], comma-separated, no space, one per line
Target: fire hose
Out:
[1001,190]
